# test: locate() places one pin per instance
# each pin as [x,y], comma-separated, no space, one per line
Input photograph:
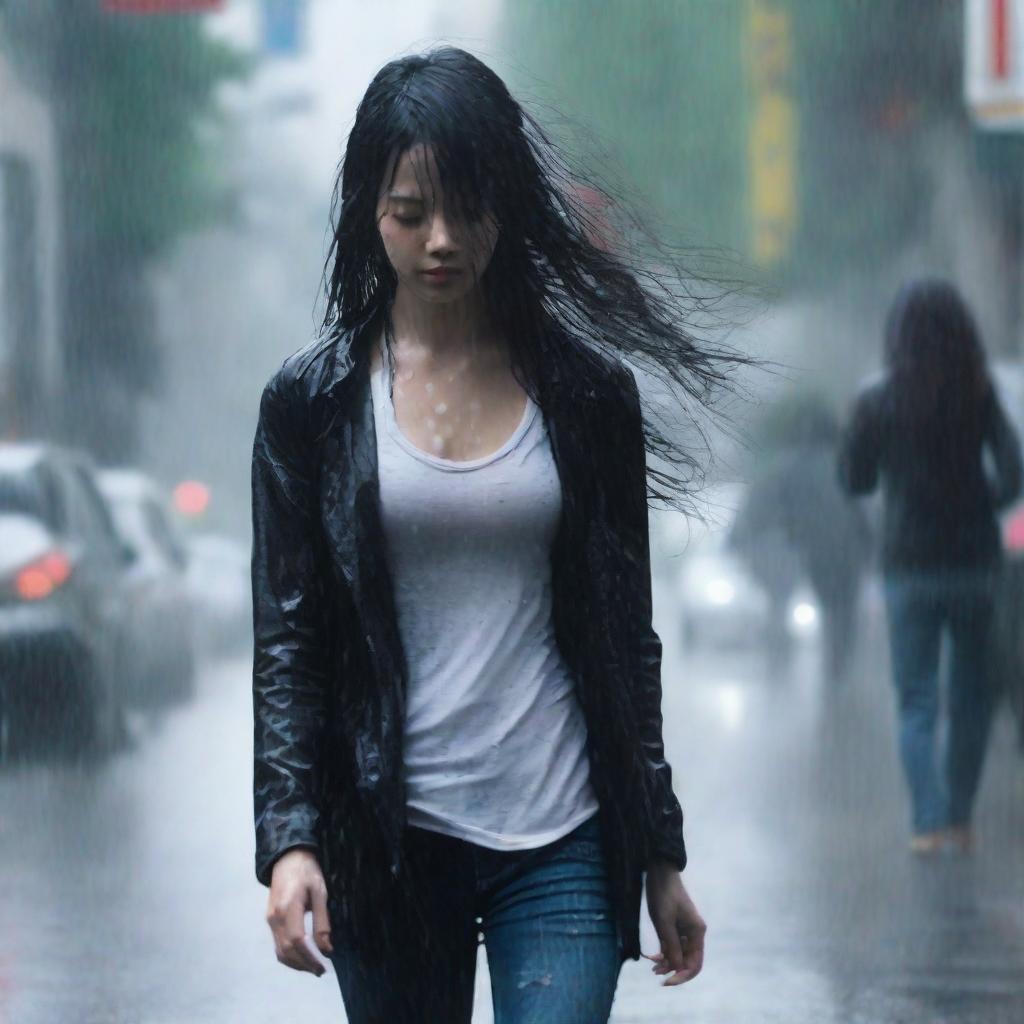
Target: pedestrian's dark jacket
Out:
[329,674]
[940,498]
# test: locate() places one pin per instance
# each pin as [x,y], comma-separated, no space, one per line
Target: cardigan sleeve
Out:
[666,816]
[290,678]
[860,448]
[1005,446]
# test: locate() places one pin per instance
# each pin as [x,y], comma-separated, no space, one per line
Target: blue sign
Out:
[282,25]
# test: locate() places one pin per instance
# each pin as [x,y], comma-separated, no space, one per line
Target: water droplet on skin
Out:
[431,423]
[438,442]
[430,387]
[441,408]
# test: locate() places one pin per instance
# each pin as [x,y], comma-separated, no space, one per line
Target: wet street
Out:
[128,893]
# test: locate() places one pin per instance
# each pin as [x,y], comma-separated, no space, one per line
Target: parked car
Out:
[720,602]
[218,579]
[63,640]
[160,614]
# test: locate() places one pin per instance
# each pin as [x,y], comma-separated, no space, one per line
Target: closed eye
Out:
[406,209]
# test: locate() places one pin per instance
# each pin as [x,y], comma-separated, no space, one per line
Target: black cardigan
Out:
[329,673]
[940,503]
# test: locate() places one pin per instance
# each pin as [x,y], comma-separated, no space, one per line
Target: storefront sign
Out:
[994,63]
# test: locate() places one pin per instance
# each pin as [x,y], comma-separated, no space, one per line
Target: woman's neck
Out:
[442,331]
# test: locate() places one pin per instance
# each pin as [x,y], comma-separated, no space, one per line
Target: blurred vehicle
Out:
[63,600]
[159,612]
[721,604]
[1009,620]
[218,580]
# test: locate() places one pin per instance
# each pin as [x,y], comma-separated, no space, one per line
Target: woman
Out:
[456,682]
[925,430]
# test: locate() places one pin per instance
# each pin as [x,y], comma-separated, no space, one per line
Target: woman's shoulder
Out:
[308,372]
[873,396]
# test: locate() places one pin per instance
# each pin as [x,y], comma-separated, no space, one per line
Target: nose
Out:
[441,241]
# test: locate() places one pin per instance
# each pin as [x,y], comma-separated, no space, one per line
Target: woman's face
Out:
[436,254]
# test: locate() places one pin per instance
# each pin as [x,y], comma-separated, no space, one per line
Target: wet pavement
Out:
[128,893]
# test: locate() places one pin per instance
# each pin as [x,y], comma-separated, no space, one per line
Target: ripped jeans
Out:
[545,920]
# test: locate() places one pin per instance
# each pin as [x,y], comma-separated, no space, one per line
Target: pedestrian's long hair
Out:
[935,358]
[562,273]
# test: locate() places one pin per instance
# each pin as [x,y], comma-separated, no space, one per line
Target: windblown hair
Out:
[934,356]
[562,272]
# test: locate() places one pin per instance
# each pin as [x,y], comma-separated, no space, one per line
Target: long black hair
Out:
[934,356]
[561,267]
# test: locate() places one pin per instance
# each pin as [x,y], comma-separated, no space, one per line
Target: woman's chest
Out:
[453,413]
[497,507]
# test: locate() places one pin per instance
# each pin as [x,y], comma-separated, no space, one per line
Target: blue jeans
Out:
[922,607]
[545,918]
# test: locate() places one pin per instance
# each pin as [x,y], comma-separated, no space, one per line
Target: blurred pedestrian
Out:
[796,524]
[456,681]
[924,431]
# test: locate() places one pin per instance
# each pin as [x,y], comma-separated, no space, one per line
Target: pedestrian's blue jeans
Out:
[545,918]
[922,607]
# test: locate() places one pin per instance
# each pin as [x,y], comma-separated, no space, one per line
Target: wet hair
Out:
[562,273]
[934,354]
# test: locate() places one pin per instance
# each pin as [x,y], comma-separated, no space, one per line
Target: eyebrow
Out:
[399,198]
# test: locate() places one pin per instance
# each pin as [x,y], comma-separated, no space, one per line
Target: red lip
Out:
[440,273]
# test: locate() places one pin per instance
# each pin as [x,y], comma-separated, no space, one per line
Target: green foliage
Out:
[147,108]
[661,83]
[875,83]
[138,135]
[135,103]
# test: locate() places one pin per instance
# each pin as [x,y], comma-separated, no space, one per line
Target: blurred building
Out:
[994,97]
[29,356]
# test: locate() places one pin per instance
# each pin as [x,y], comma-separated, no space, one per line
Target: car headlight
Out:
[805,615]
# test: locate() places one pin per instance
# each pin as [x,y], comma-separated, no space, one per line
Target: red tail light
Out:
[1013,533]
[42,577]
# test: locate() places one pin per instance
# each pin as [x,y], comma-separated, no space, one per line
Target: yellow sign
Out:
[772,138]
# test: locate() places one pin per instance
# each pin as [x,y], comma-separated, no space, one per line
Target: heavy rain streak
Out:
[423,630]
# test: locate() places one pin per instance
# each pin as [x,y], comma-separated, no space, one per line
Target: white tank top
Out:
[494,737]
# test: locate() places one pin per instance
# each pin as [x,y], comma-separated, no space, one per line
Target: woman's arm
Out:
[1005,446]
[860,449]
[666,826]
[679,925]
[290,678]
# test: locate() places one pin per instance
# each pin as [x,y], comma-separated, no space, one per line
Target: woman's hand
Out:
[297,885]
[678,924]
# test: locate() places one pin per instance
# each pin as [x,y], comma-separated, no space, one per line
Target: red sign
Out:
[1000,40]
[160,6]
[994,63]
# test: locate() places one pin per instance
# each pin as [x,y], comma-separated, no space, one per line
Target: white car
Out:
[160,609]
